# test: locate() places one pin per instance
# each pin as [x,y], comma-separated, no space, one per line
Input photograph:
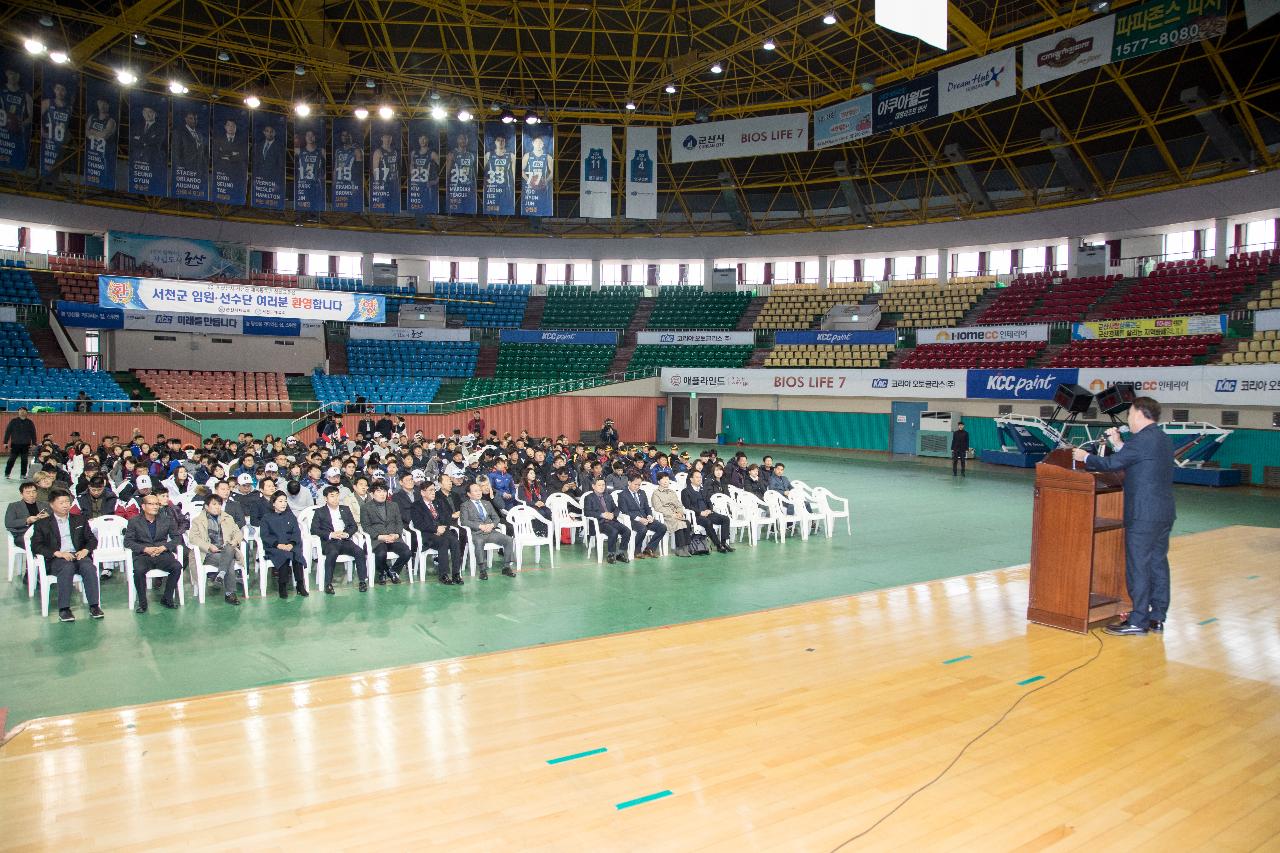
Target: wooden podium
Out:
[1077,545]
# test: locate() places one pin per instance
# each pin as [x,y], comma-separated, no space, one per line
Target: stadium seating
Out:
[412,393]
[579,307]
[648,356]
[498,306]
[694,308]
[973,356]
[17,350]
[424,359]
[925,303]
[271,279]
[1262,348]
[218,391]
[799,306]
[76,263]
[548,362]
[1177,287]
[16,286]
[1268,298]
[829,355]
[1137,352]
[1046,298]
[396,294]
[510,390]
[56,390]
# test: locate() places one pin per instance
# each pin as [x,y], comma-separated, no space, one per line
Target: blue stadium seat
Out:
[423,359]
[415,392]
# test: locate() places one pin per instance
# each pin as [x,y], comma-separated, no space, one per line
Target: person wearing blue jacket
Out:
[1146,459]
[282,545]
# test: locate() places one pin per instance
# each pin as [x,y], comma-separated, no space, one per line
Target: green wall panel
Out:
[258,426]
[851,430]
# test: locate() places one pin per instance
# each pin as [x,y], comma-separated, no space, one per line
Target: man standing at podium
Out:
[1147,461]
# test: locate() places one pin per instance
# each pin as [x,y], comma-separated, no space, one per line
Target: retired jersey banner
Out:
[595,179]
[982,334]
[101,133]
[16,109]
[186,297]
[1065,53]
[57,108]
[267,161]
[978,81]
[1257,11]
[906,103]
[642,173]
[148,143]
[1155,327]
[190,137]
[424,167]
[743,137]
[1163,24]
[499,169]
[537,165]
[385,167]
[348,165]
[308,164]
[230,148]
[461,166]
[843,122]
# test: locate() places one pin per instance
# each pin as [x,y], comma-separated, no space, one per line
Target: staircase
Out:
[533,311]
[47,344]
[487,361]
[627,337]
[1048,354]
[748,318]
[302,394]
[130,383]
[622,356]
[46,285]
[758,355]
[336,351]
[971,316]
[1118,293]
[1241,303]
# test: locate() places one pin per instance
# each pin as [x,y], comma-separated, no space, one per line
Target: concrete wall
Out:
[126,350]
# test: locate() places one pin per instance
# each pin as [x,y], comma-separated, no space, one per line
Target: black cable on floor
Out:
[977,738]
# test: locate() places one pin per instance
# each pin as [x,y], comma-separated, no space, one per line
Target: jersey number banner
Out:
[348,165]
[597,172]
[230,148]
[308,165]
[384,167]
[536,171]
[424,167]
[460,166]
[266,161]
[148,143]
[101,133]
[499,169]
[642,173]
[61,89]
[15,120]
[190,137]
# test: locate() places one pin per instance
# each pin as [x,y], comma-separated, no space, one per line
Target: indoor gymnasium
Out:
[619,426]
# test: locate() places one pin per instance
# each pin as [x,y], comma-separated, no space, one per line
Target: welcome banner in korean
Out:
[186,297]
[83,316]
[1152,327]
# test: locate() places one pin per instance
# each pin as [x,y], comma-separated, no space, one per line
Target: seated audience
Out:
[66,543]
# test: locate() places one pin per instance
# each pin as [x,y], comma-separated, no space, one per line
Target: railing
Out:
[101,407]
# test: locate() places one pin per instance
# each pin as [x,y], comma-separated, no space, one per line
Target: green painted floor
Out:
[912,522]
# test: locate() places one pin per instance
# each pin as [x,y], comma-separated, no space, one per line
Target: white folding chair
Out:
[778,503]
[469,553]
[523,535]
[153,574]
[809,520]
[109,531]
[250,535]
[46,580]
[758,514]
[16,554]
[823,500]
[738,520]
[679,480]
[201,570]
[566,514]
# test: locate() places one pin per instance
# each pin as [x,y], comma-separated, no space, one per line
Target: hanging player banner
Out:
[924,19]
[61,89]
[239,300]
[1257,11]
[1161,24]
[230,153]
[499,197]
[424,167]
[190,137]
[978,81]
[906,103]
[537,165]
[841,123]
[348,165]
[308,164]
[384,167]
[266,161]
[1077,49]
[642,173]
[148,143]
[101,133]
[460,168]
[744,137]
[595,180]
[15,121]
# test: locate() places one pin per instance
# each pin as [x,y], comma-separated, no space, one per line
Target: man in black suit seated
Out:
[601,507]
[66,543]
[633,502]
[334,525]
[1147,461]
[716,525]
[154,541]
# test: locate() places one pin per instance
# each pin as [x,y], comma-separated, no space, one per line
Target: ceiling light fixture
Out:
[126,77]
[716,68]
[302,109]
[176,87]
[34,46]
[508,117]
[369,84]
[386,113]
[829,18]
[769,44]
[631,105]
[1100,6]
[464,114]
[362,113]
[252,102]
[139,39]
[532,117]
[438,113]
[59,57]
[223,56]
[300,70]
[670,88]
[46,21]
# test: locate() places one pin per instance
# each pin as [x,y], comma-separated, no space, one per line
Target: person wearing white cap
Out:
[130,503]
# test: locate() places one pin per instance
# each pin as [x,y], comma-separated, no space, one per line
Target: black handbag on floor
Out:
[699,544]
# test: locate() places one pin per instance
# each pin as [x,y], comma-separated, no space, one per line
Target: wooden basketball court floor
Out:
[790,729]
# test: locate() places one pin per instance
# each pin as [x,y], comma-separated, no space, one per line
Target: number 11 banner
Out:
[596,178]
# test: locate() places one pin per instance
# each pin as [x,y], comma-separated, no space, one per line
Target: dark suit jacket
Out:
[636,506]
[694,500]
[270,164]
[187,152]
[137,535]
[427,517]
[322,524]
[959,442]
[46,538]
[228,157]
[1147,461]
[150,143]
[595,505]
